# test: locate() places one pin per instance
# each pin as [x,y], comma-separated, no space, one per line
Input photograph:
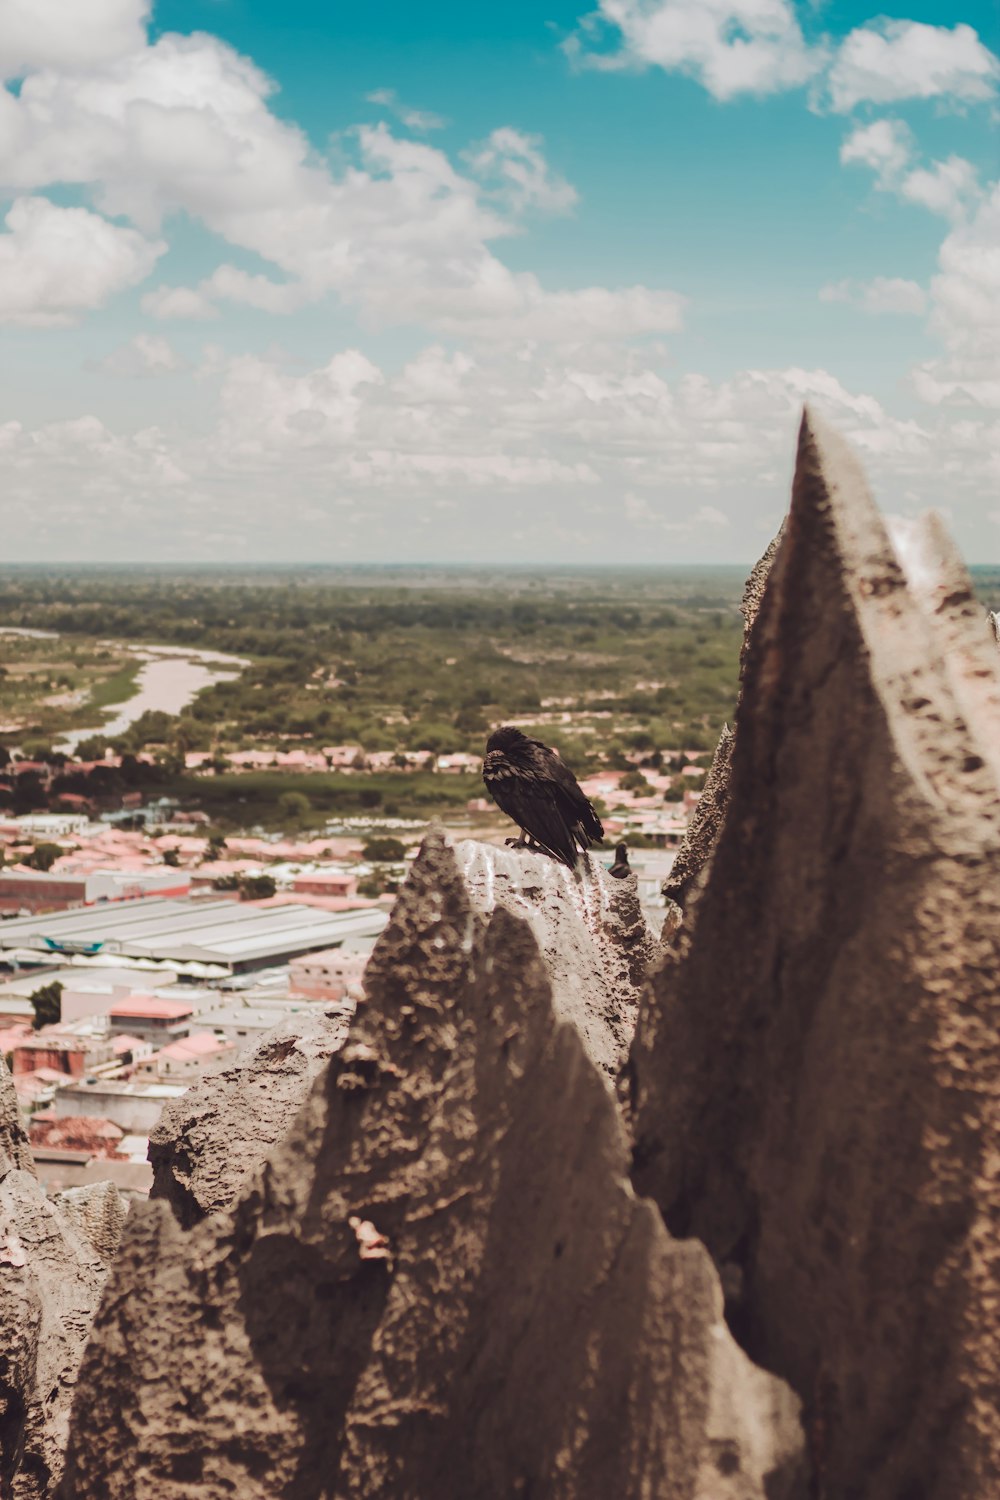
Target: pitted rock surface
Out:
[815,1076]
[97,1213]
[703,829]
[439,1283]
[50,1282]
[14,1148]
[210,1140]
[591,930]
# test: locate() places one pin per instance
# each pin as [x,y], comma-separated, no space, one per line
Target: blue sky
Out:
[330,283]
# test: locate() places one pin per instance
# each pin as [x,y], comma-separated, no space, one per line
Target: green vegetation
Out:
[42,857]
[46,1002]
[111,690]
[384,851]
[49,685]
[250,887]
[414,662]
[258,799]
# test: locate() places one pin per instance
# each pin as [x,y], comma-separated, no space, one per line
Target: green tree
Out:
[43,856]
[634,781]
[257,887]
[46,1002]
[294,807]
[92,748]
[171,858]
[384,851]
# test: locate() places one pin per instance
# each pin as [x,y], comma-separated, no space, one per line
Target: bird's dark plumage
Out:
[621,867]
[532,785]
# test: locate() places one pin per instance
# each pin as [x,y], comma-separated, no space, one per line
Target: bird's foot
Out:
[521,843]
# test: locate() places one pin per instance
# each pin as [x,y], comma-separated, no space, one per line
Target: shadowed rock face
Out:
[815,1076]
[50,1281]
[703,830]
[14,1148]
[210,1140]
[439,1283]
[597,949]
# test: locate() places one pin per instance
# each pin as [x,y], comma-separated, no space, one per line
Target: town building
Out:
[61,890]
[71,1051]
[188,1059]
[151,1018]
[197,937]
[133,1105]
[331,974]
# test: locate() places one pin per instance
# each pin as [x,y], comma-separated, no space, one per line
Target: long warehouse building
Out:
[232,936]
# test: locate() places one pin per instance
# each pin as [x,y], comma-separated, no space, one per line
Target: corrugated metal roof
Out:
[225,932]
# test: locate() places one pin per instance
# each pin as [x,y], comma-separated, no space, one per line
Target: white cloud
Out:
[883,294]
[414,119]
[526,180]
[52,33]
[885,61]
[56,263]
[965,314]
[179,302]
[144,355]
[731,47]
[888,148]
[885,145]
[402,235]
[945,187]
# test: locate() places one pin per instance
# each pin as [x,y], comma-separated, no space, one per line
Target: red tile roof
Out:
[148,1007]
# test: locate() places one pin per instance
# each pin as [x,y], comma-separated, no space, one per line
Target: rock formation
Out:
[97,1213]
[815,1077]
[591,930]
[703,830]
[439,1283]
[14,1148]
[50,1282]
[210,1140]
[412,1263]
[597,948]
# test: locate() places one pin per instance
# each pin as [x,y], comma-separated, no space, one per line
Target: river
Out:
[167,681]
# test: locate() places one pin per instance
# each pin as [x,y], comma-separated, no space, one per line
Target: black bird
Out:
[621,867]
[532,785]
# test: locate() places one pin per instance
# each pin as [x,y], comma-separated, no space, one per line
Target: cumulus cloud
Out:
[402,234]
[883,294]
[886,61]
[735,47]
[965,314]
[179,302]
[516,163]
[945,187]
[49,33]
[57,263]
[731,47]
[414,119]
[144,355]
[351,459]
[888,147]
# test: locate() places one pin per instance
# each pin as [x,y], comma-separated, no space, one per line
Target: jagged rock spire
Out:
[815,1076]
[438,1283]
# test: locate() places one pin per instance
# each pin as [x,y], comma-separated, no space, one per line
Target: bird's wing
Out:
[531,800]
[573,804]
